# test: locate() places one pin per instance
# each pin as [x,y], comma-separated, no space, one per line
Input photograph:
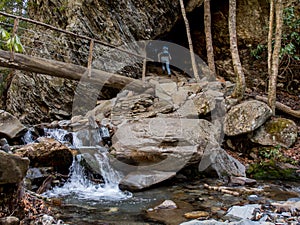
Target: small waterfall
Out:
[57,134]
[78,184]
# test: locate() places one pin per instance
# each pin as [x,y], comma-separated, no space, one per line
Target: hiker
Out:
[164,57]
[105,135]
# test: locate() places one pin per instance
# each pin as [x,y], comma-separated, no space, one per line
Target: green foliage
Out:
[273,153]
[257,52]
[290,43]
[16,7]
[291,34]
[11,43]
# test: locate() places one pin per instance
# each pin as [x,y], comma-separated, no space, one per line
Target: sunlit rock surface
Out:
[246,117]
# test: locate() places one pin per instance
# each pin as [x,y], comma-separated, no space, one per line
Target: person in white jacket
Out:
[164,57]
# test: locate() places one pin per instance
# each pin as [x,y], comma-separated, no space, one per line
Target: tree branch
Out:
[281,107]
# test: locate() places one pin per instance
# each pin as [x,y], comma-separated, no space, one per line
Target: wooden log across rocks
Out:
[69,71]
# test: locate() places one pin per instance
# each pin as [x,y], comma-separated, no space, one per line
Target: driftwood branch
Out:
[69,71]
[281,107]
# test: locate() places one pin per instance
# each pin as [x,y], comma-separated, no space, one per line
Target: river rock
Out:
[277,131]
[167,204]
[288,206]
[246,117]
[205,222]
[242,212]
[169,216]
[93,158]
[200,104]
[10,126]
[4,145]
[13,168]
[48,153]
[242,181]
[10,220]
[214,222]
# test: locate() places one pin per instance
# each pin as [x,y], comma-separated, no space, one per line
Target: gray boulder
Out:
[278,131]
[154,140]
[246,117]
[10,125]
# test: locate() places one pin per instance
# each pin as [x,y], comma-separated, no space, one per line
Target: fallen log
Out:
[69,71]
[281,107]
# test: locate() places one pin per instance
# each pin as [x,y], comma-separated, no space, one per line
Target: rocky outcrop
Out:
[37,99]
[10,126]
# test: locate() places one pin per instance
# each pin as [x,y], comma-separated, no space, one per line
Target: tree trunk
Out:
[69,71]
[188,33]
[238,70]
[270,36]
[208,36]
[275,56]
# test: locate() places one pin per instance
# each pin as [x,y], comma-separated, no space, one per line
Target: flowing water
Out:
[87,202]
[79,186]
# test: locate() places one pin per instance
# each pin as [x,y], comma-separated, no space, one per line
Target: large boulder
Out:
[10,126]
[48,153]
[13,168]
[246,117]
[278,131]
[167,144]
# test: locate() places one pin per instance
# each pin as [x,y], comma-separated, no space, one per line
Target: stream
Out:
[86,202]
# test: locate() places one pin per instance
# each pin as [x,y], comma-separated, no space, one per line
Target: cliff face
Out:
[36,99]
[40,98]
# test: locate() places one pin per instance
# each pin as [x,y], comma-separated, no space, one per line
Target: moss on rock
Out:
[271,170]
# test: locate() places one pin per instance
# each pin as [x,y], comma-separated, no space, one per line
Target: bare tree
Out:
[238,70]
[208,36]
[270,36]
[275,55]
[188,33]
